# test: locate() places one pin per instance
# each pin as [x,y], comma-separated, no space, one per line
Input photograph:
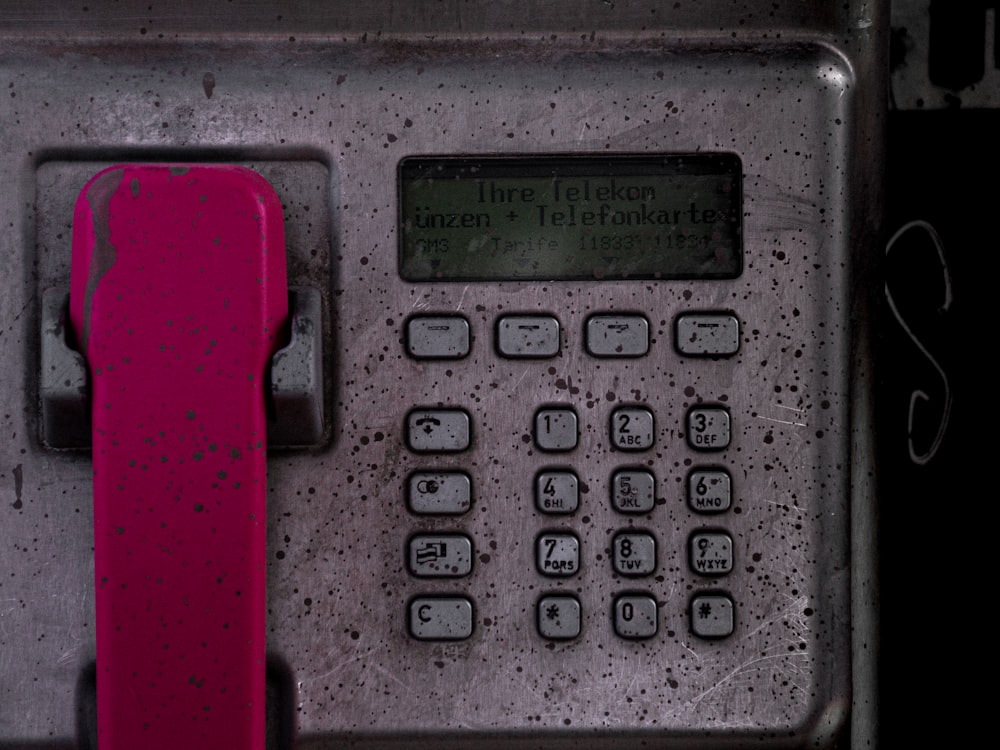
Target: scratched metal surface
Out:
[338,111]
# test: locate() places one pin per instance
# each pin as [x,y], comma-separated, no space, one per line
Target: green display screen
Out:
[571,218]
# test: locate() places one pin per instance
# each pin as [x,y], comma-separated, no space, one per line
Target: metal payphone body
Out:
[552,508]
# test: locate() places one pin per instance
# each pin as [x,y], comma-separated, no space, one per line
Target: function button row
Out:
[557,429]
[558,491]
[560,617]
[527,336]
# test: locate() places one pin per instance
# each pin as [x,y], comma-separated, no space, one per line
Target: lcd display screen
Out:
[675,216]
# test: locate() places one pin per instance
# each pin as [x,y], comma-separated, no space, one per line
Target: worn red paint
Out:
[178,301]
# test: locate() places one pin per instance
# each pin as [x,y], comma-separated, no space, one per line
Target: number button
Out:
[711,553]
[557,492]
[632,428]
[558,555]
[556,429]
[708,428]
[709,491]
[633,553]
[635,616]
[633,491]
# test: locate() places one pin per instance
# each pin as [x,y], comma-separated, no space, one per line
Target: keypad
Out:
[447,555]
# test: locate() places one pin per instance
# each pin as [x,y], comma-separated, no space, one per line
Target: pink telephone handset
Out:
[178,301]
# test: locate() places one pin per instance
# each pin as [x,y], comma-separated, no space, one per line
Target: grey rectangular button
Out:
[633,553]
[633,491]
[708,428]
[559,617]
[632,428]
[528,336]
[438,430]
[707,334]
[439,492]
[709,490]
[556,429]
[441,618]
[440,555]
[557,492]
[617,335]
[437,337]
[712,616]
[711,553]
[635,616]
[558,554]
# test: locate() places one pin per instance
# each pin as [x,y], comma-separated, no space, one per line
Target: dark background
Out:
[936,341]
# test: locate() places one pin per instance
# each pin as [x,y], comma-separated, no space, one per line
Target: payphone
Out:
[569,445]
